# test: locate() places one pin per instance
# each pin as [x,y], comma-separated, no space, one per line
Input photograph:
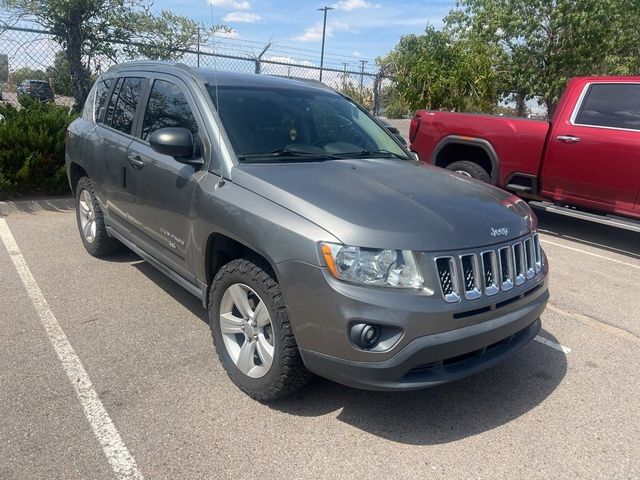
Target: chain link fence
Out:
[32,54]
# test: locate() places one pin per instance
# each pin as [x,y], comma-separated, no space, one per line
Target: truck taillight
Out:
[415,125]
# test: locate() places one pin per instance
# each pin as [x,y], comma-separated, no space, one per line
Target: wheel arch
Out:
[222,249]
[456,147]
[76,172]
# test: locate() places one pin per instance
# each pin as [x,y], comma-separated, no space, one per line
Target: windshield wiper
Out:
[285,152]
[370,153]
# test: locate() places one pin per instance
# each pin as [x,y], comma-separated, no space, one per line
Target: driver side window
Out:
[167,107]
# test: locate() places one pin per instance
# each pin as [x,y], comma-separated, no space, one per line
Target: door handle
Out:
[135,161]
[567,139]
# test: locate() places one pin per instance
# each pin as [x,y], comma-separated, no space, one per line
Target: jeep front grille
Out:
[472,275]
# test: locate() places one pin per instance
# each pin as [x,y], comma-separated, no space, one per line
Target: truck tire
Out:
[470,169]
[90,220]
[252,333]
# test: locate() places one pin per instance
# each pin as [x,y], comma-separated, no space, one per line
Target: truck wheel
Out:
[91,221]
[252,333]
[470,169]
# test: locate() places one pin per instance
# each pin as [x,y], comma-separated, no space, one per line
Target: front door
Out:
[162,187]
[593,157]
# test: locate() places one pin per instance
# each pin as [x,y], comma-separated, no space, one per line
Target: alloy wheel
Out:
[247,330]
[87,215]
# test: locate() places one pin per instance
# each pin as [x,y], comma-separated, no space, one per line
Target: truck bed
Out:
[518,142]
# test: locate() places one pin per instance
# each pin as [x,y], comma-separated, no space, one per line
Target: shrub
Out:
[32,148]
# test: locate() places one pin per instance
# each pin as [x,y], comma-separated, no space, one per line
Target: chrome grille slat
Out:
[518,259]
[505,258]
[538,252]
[472,275]
[489,271]
[448,278]
[528,257]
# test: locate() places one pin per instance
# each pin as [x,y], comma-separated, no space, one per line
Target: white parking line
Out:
[121,461]
[554,345]
[590,253]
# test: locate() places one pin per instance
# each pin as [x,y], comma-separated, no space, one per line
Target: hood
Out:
[388,203]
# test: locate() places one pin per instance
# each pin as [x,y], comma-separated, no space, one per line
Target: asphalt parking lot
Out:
[567,406]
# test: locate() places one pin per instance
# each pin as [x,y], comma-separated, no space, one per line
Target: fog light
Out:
[365,335]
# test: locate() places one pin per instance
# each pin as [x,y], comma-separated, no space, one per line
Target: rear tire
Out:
[252,333]
[91,221]
[470,169]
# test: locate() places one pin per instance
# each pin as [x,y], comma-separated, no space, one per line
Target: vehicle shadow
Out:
[591,234]
[445,413]
[178,293]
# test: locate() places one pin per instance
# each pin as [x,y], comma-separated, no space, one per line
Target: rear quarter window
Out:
[612,105]
[93,110]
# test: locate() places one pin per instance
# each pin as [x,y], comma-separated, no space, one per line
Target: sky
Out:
[359,29]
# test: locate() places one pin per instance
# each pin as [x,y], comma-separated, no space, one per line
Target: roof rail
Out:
[156,64]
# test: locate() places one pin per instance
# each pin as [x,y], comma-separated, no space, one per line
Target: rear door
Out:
[111,138]
[161,187]
[593,156]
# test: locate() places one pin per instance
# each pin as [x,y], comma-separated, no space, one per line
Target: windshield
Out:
[297,124]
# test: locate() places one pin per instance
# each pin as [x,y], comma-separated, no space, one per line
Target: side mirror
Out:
[176,142]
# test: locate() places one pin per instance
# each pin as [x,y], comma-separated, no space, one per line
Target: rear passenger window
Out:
[123,103]
[611,105]
[167,107]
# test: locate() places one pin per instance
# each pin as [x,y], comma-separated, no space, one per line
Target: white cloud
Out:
[314,33]
[356,54]
[244,17]
[230,34]
[231,4]
[349,5]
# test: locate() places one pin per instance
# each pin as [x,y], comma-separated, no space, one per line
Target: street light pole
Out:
[324,30]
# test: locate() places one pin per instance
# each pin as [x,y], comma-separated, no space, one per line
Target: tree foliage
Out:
[32,147]
[364,95]
[437,71]
[90,29]
[542,43]
[20,74]
[58,75]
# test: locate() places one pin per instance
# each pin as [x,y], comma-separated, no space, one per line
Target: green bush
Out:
[32,148]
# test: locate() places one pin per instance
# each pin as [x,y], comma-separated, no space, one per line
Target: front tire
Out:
[252,333]
[470,169]
[91,221]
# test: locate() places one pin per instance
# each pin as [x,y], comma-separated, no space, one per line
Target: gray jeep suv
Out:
[314,238]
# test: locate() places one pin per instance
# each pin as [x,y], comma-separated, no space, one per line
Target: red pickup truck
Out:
[584,163]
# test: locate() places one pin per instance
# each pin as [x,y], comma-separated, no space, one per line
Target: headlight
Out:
[370,266]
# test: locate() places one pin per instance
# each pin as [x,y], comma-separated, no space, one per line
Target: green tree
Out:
[59,76]
[438,71]
[364,95]
[98,28]
[543,43]
[20,74]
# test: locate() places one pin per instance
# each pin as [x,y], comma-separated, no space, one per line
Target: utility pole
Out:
[198,47]
[344,76]
[324,31]
[362,63]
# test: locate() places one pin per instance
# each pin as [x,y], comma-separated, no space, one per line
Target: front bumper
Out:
[429,361]
[439,342]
